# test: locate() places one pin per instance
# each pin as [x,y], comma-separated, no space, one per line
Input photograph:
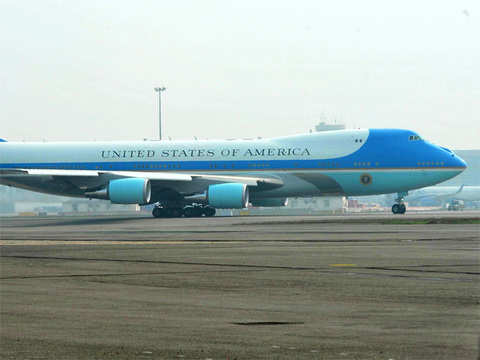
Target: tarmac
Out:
[290,287]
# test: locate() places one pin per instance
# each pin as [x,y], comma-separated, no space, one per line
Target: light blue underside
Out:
[389,182]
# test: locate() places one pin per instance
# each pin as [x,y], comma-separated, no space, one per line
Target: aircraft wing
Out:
[152,176]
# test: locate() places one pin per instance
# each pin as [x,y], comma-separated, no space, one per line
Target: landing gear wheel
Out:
[160,212]
[156,212]
[178,212]
[192,211]
[174,212]
[399,208]
[189,211]
[166,212]
[209,211]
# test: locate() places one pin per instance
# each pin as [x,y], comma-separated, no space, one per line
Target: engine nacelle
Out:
[228,196]
[130,191]
[269,202]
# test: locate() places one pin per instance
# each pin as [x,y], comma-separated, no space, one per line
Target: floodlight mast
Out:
[159,90]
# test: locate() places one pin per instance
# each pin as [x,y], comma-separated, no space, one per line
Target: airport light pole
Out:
[159,90]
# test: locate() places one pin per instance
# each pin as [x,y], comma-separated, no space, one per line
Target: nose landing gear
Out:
[399,206]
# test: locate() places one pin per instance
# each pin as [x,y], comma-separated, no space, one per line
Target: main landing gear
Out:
[399,206]
[194,210]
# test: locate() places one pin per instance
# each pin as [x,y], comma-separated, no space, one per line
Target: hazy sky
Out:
[84,70]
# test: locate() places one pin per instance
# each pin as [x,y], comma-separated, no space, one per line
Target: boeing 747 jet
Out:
[193,178]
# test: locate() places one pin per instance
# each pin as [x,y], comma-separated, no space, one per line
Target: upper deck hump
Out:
[313,146]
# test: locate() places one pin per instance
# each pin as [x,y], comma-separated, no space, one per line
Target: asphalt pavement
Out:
[339,287]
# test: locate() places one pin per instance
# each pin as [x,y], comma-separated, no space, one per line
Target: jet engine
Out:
[269,202]
[228,196]
[130,191]
[125,191]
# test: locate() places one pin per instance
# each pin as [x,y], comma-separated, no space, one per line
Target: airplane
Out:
[193,178]
[447,194]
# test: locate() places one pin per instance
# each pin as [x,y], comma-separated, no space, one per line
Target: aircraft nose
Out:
[457,162]
[453,160]
[460,162]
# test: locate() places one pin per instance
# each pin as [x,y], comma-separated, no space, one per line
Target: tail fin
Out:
[2,140]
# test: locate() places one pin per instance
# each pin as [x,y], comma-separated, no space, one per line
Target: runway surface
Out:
[339,287]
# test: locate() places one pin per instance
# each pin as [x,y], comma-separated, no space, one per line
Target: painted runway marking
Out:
[342,265]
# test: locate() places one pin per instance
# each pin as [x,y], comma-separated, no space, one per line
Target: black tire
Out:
[161,212]
[189,211]
[198,212]
[396,208]
[169,212]
[177,212]
[402,209]
[158,212]
[209,211]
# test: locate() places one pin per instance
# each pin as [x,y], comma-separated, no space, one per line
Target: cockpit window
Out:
[414,138]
